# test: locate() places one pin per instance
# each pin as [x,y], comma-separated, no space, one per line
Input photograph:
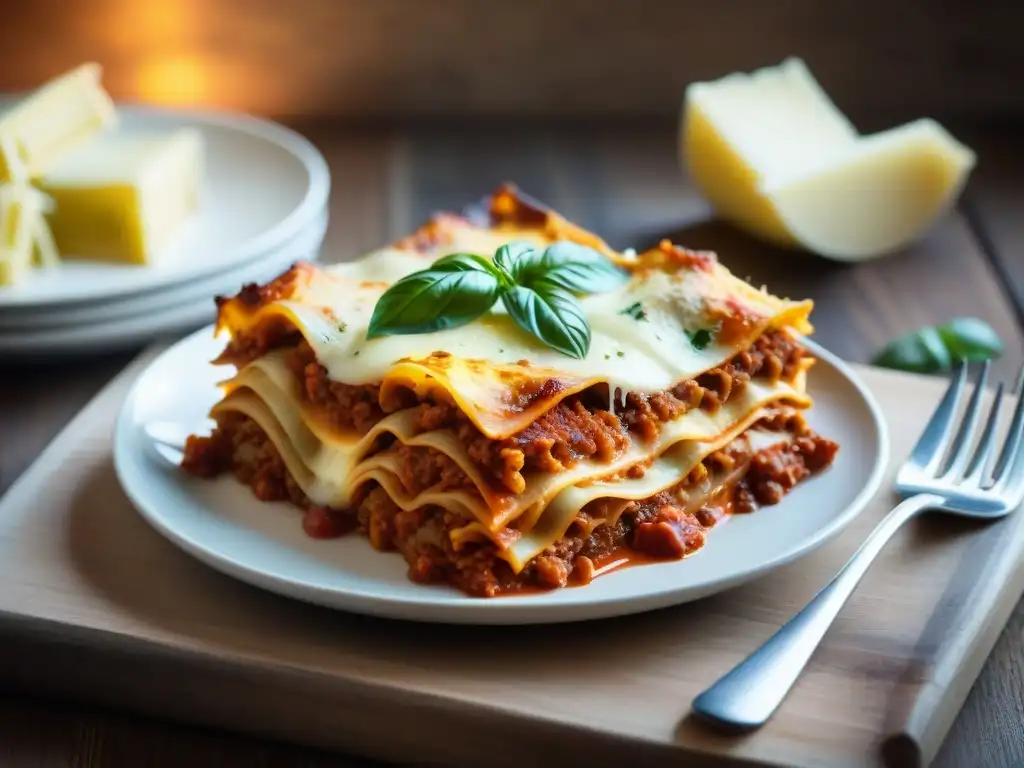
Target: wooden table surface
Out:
[623,182]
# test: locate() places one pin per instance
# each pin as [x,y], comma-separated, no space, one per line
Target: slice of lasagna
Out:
[489,459]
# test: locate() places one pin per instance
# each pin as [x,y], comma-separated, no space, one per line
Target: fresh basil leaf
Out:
[636,311]
[433,300]
[968,338]
[700,338]
[552,314]
[569,265]
[920,351]
[537,287]
[461,262]
[937,349]
[508,256]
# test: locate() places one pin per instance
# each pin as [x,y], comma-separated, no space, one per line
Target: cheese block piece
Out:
[44,248]
[15,239]
[52,122]
[776,157]
[124,197]
[25,240]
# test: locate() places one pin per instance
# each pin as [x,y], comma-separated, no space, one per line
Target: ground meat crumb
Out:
[777,470]
[671,535]
[551,572]
[584,570]
[659,527]
[578,427]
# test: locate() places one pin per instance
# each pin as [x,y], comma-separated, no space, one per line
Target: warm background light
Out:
[177,81]
[374,58]
[171,73]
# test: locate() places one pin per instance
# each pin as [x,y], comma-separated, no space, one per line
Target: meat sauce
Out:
[657,529]
[578,427]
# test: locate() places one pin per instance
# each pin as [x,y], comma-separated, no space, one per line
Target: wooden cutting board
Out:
[94,605]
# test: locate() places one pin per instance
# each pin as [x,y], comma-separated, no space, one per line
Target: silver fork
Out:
[942,473]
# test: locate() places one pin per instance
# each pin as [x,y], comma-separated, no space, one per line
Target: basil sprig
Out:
[700,338]
[565,264]
[934,349]
[636,311]
[537,286]
[454,291]
[552,314]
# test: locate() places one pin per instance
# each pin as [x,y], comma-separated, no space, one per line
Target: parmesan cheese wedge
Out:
[124,197]
[777,158]
[52,122]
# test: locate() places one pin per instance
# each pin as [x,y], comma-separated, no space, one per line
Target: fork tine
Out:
[1013,436]
[961,446]
[1012,487]
[931,446]
[976,471]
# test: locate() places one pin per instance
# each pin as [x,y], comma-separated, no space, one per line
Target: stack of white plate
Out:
[263,207]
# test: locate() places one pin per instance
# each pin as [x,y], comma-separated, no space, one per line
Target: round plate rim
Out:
[138,327]
[314,200]
[498,611]
[308,241]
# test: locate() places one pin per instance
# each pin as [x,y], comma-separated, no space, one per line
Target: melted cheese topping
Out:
[503,377]
[331,465]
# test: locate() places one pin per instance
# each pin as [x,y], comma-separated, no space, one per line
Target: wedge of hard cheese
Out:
[124,197]
[776,157]
[52,122]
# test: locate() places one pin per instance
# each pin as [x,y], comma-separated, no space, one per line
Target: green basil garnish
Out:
[968,338]
[537,287]
[566,264]
[636,311]
[934,349]
[552,314]
[508,257]
[434,300]
[700,338]
[463,262]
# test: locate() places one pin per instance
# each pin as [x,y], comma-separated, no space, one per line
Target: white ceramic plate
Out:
[30,322]
[263,185]
[152,318]
[223,525]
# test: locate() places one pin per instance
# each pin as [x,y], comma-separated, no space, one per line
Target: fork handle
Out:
[746,696]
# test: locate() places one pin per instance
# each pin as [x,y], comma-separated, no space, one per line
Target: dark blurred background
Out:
[360,60]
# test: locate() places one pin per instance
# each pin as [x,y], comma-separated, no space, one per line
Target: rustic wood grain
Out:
[84,614]
[995,204]
[36,401]
[42,734]
[624,183]
[359,58]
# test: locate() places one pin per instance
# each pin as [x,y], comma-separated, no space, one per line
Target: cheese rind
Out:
[53,122]
[124,197]
[774,156]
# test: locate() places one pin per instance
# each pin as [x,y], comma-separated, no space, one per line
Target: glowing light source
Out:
[173,81]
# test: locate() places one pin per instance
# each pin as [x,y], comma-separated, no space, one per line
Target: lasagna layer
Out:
[503,379]
[757,467]
[490,460]
[330,466]
[579,427]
